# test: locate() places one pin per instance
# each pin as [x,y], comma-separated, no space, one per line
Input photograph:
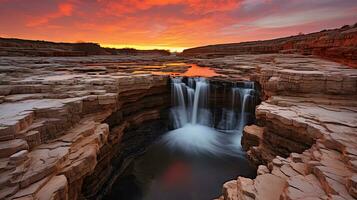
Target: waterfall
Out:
[179,110]
[235,117]
[190,105]
[194,129]
[245,94]
[200,100]
[232,114]
[190,99]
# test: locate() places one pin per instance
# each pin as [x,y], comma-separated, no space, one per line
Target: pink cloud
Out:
[191,6]
[64,9]
[181,23]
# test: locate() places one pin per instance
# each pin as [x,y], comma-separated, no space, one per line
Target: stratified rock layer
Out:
[305,137]
[69,125]
[336,44]
[58,122]
[21,47]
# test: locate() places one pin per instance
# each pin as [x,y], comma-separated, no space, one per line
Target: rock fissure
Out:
[66,137]
[319,119]
[67,132]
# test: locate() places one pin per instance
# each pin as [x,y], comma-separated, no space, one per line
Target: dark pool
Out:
[192,161]
[163,173]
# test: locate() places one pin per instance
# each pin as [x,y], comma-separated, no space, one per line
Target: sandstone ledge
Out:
[52,123]
[306,133]
[60,118]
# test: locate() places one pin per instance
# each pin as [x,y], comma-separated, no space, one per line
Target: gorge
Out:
[194,159]
[265,125]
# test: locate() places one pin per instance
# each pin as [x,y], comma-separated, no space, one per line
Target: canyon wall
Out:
[64,136]
[69,126]
[19,47]
[304,139]
[338,44]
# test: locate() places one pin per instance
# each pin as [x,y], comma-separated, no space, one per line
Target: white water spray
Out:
[194,132]
[245,94]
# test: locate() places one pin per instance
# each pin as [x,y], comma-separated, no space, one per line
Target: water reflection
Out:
[193,71]
[196,70]
[163,174]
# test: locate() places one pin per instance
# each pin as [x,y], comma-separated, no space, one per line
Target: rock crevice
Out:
[304,139]
[54,141]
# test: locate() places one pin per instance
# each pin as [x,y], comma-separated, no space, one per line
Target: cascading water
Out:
[245,94]
[194,130]
[190,105]
[179,111]
[202,151]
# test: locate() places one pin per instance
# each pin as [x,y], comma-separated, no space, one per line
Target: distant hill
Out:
[20,47]
[336,44]
[131,51]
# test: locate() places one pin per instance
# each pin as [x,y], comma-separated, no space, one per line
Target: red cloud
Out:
[64,9]
[170,23]
[192,6]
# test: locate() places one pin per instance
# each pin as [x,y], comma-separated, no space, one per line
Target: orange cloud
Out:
[192,6]
[171,24]
[64,9]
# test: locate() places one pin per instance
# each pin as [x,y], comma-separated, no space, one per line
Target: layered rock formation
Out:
[337,44]
[305,137]
[20,47]
[60,128]
[69,126]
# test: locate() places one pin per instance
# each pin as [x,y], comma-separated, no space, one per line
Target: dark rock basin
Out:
[163,173]
[199,154]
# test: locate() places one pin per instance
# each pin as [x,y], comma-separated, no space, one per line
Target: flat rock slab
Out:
[52,111]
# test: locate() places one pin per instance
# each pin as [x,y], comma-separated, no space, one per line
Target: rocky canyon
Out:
[77,124]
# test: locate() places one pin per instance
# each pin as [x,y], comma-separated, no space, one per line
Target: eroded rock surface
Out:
[305,138]
[64,121]
[60,116]
[335,44]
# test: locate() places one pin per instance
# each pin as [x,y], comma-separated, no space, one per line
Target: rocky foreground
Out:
[305,138]
[64,120]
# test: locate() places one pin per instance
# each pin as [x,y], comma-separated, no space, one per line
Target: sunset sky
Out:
[172,24]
